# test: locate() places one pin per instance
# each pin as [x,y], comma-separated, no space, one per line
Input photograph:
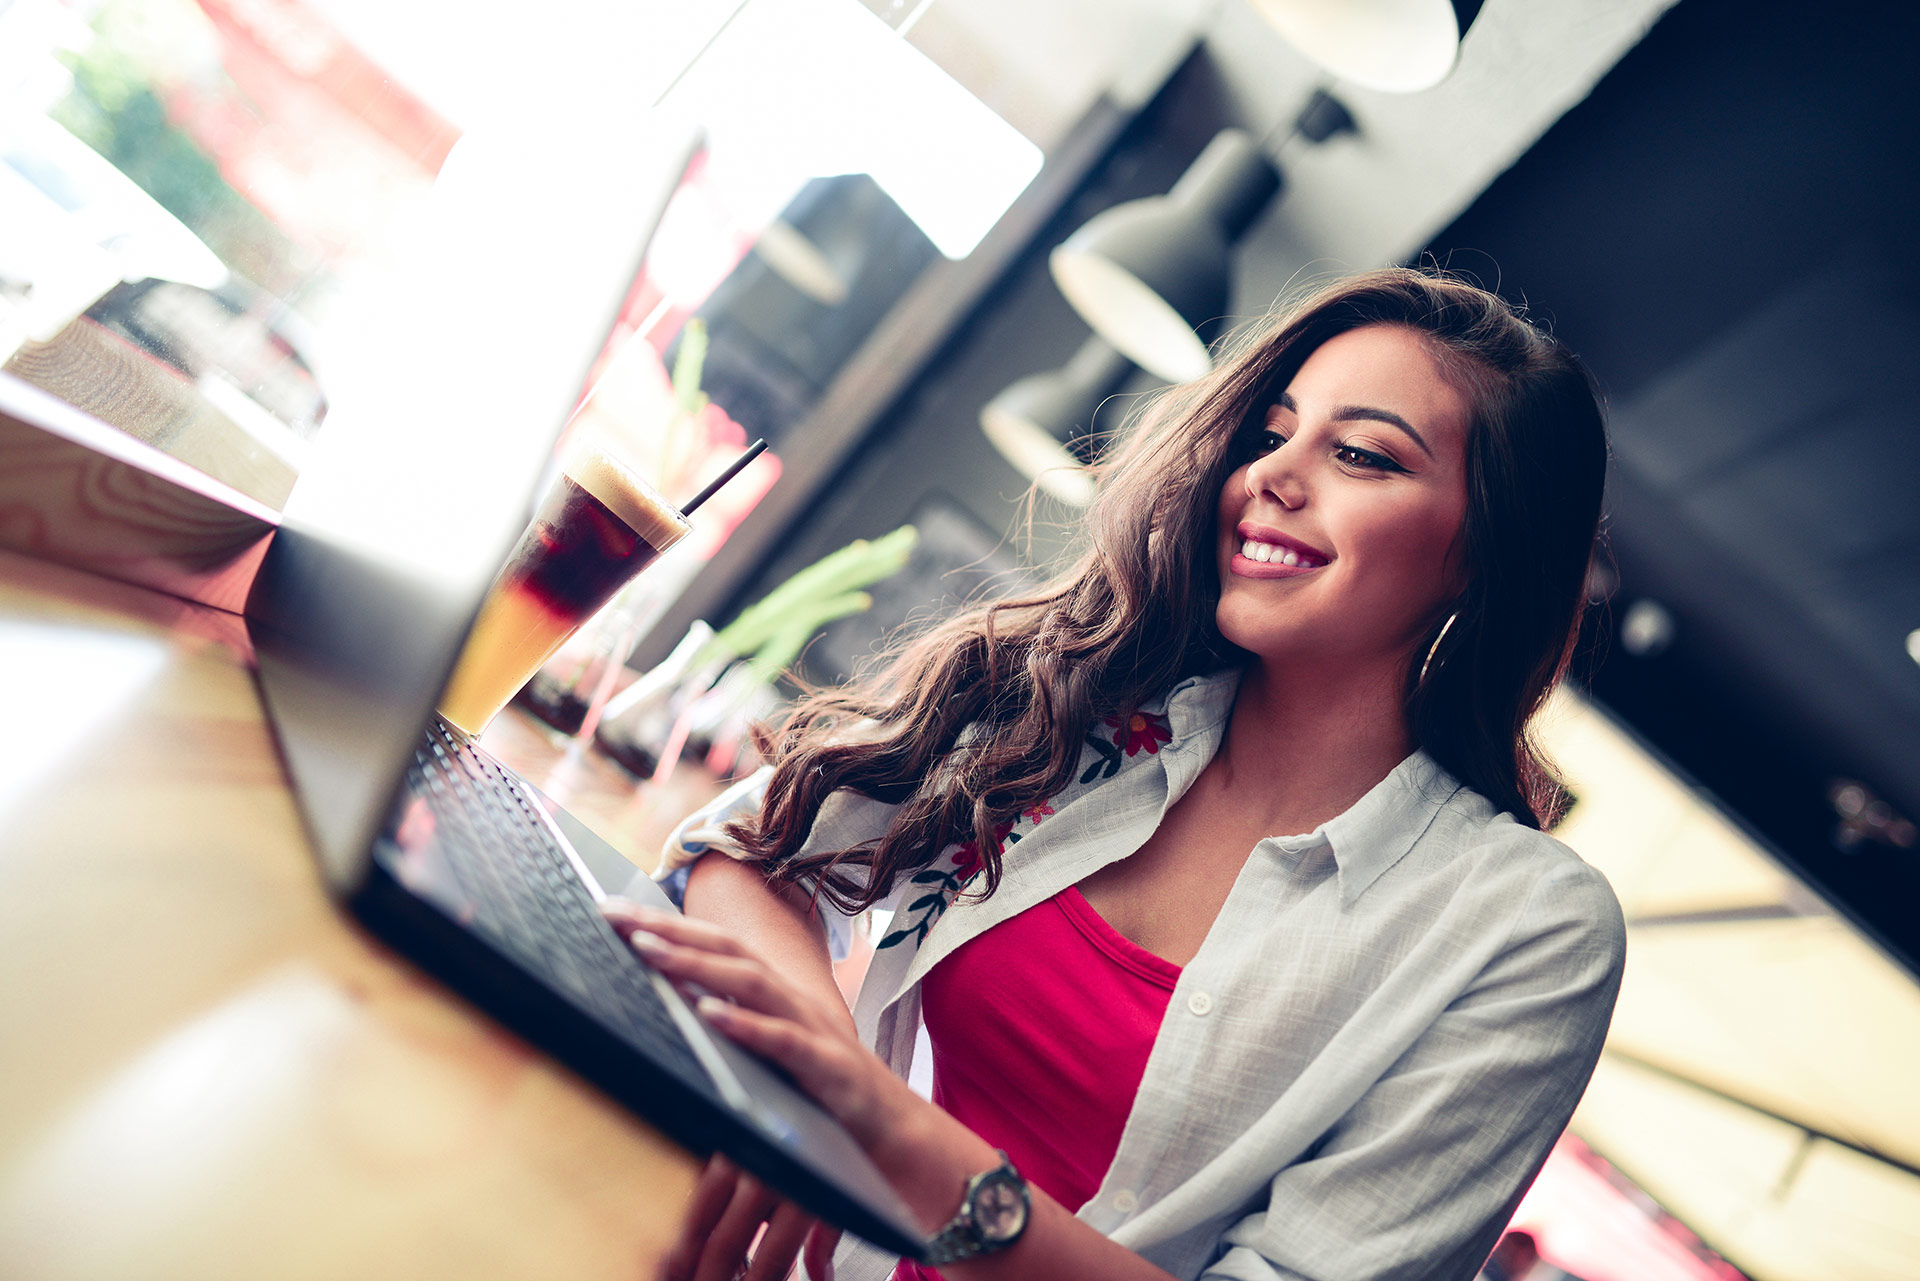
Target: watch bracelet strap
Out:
[953,1244]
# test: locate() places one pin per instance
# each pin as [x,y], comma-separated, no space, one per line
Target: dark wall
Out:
[1724,230]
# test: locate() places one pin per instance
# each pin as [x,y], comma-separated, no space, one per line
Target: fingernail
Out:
[713,1007]
[649,943]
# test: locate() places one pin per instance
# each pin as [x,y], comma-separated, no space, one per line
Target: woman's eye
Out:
[1354,456]
[1259,443]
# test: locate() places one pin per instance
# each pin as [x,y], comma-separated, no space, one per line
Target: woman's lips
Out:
[1244,568]
[1253,532]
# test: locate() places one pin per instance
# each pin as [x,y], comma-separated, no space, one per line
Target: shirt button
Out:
[1125,1202]
[1200,1003]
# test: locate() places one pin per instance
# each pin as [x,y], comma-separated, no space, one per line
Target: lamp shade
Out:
[1150,274]
[1399,46]
[1031,420]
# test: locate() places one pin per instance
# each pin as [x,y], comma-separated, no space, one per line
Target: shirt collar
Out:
[1198,706]
[1372,834]
[1377,830]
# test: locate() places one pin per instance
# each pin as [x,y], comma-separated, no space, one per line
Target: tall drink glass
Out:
[598,527]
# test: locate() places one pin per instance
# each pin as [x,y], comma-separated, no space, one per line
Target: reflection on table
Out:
[210,1072]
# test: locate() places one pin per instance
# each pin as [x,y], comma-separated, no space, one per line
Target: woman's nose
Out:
[1276,476]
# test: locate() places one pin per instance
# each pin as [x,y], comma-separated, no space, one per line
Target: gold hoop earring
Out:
[1435,648]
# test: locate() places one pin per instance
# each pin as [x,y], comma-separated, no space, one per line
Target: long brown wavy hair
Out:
[985,714]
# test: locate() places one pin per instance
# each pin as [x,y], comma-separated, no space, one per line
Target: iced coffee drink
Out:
[599,526]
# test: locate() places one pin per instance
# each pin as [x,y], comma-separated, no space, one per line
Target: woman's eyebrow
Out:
[1366,413]
[1363,413]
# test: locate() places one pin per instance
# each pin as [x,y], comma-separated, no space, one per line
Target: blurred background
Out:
[937,251]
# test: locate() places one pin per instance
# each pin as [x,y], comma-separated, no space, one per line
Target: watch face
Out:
[1000,1210]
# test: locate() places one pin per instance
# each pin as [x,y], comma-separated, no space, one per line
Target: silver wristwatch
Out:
[993,1214]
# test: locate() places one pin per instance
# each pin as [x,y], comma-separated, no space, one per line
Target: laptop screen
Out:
[451,398]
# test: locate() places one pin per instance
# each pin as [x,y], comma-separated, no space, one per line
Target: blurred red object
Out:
[1592,1222]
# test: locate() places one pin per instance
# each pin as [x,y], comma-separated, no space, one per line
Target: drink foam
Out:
[627,496]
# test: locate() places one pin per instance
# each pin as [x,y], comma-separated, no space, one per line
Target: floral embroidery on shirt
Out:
[966,855]
[937,887]
[942,886]
[1133,733]
[1142,730]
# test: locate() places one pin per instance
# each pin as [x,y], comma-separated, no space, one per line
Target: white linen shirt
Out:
[1383,1033]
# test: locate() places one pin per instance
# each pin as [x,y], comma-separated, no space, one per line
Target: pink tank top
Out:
[1041,1028]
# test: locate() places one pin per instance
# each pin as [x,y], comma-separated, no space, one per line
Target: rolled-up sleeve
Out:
[1418,1178]
[704,830]
[845,821]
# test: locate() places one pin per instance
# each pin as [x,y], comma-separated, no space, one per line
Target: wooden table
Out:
[205,1070]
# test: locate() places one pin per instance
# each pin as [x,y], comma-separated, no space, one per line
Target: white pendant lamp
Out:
[1397,46]
[1150,275]
[1032,419]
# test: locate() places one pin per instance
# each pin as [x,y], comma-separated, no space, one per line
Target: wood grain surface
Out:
[102,374]
[75,490]
[210,1072]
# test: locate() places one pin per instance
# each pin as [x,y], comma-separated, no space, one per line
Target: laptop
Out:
[440,440]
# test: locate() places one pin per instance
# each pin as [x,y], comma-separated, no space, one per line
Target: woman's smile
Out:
[1265,552]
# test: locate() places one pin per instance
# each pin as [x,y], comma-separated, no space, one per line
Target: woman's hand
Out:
[776,1018]
[718,1240]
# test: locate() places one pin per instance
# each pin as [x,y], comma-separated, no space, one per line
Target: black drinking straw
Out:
[733,469]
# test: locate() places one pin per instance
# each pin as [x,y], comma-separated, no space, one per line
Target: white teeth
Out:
[1269,553]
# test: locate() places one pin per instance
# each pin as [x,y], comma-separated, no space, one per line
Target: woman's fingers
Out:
[711,1197]
[724,1252]
[726,1213]
[748,982]
[689,931]
[818,1252]
[834,1070]
[773,1257]
[690,952]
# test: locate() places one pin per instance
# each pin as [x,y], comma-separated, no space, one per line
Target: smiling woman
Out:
[1214,864]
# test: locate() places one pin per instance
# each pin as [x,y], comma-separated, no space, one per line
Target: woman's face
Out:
[1358,474]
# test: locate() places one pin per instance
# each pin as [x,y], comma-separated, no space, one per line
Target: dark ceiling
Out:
[1725,230]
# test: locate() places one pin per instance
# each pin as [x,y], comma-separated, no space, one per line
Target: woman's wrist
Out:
[927,1156]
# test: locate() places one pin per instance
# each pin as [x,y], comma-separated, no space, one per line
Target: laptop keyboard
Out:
[527,897]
